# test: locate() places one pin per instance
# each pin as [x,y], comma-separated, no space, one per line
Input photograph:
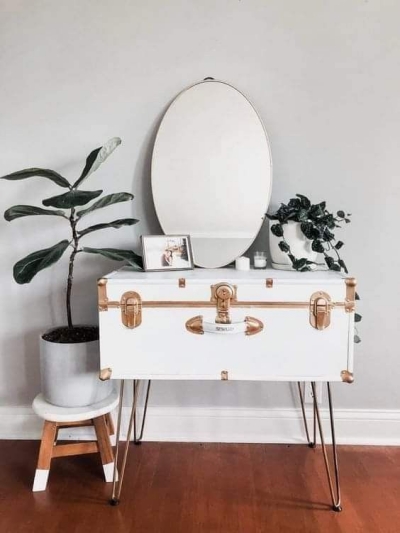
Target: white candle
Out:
[242,263]
[260,262]
[260,259]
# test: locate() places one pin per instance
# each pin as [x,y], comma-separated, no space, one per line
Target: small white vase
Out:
[300,246]
[70,373]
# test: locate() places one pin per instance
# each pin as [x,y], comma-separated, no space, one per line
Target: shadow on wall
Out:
[148,221]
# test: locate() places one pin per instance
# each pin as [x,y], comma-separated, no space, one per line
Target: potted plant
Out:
[69,355]
[301,230]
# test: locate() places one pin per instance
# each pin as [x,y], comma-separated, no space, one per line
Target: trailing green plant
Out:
[317,225]
[68,206]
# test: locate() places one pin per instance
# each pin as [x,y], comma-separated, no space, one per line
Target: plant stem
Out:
[72,221]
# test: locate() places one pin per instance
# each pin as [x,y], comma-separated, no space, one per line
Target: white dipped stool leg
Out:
[45,454]
[103,442]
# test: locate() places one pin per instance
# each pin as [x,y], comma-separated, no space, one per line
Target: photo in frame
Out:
[167,252]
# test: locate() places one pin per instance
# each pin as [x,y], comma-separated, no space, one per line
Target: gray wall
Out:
[324,77]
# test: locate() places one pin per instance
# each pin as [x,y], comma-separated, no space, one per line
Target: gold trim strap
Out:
[203,304]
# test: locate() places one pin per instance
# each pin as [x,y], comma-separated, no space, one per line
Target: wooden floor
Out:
[185,488]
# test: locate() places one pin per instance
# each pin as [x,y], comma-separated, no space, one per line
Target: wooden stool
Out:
[55,418]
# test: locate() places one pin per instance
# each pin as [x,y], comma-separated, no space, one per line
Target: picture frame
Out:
[167,252]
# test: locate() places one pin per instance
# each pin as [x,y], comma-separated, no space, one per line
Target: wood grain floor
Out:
[203,488]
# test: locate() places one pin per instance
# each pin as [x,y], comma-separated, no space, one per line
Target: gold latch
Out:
[320,310]
[223,294]
[224,375]
[131,309]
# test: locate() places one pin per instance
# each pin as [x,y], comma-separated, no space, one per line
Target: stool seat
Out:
[96,415]
[53,413]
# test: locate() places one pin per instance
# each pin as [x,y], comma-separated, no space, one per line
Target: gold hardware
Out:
[224,375]
[222,294]
[350,302]
[182,283]
[166,304]
[347,376]
[102,294]
[320,310]
[253,325]
[269,282]
[131,309]
[195,325]
[105,374]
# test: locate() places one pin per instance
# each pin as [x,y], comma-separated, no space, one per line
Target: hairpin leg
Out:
[138,439]
[334,490]
[117,486]
[311,443]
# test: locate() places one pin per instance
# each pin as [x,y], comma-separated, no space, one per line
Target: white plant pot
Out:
[299,245]
[70,373]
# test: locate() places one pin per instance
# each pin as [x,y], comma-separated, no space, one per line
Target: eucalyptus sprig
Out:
[65,206]
[317,225]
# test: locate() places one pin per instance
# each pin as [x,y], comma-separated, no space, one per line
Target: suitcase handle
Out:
[249,326]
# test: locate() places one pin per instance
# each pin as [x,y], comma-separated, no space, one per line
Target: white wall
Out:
[324,77]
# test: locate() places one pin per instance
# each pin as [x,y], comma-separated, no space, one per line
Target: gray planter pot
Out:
[70,374]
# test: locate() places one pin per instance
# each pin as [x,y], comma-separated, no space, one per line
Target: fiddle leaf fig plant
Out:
[65,206]
[317,225]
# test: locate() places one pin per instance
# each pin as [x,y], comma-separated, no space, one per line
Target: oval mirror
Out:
[212,172]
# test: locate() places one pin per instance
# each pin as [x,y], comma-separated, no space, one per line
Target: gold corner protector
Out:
[347,377]
[195,325]
[102,294]
[105,374]
[269,283]
[182,283]
[224,375]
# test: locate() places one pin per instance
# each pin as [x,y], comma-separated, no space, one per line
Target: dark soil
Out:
[66,335]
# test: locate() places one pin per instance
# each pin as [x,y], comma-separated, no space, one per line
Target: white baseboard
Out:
[189,424]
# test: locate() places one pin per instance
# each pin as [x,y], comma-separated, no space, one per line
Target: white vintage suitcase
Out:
[225,324]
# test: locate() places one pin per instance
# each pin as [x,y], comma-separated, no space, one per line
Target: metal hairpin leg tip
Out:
[337,508]
[114,502]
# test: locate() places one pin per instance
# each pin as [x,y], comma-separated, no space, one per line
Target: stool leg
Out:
[45,454]
[104,444]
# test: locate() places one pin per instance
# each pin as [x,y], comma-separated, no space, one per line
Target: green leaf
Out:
[307,229]
[18,211]
[118,255]
[341,214]
[343,265]
[305,202]
[115,224]
[96,158]
[277,230]
[328,235]
[357,296]
[357,339]
[33,263]
[329,261]
[338,245]
[317,246]
[347,220]
[294,203]
[107,200]
[41,172]
[357,317]
[299,264]
[71,199]
[284,246]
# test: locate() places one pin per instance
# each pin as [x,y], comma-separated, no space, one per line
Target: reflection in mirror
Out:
[212,172]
